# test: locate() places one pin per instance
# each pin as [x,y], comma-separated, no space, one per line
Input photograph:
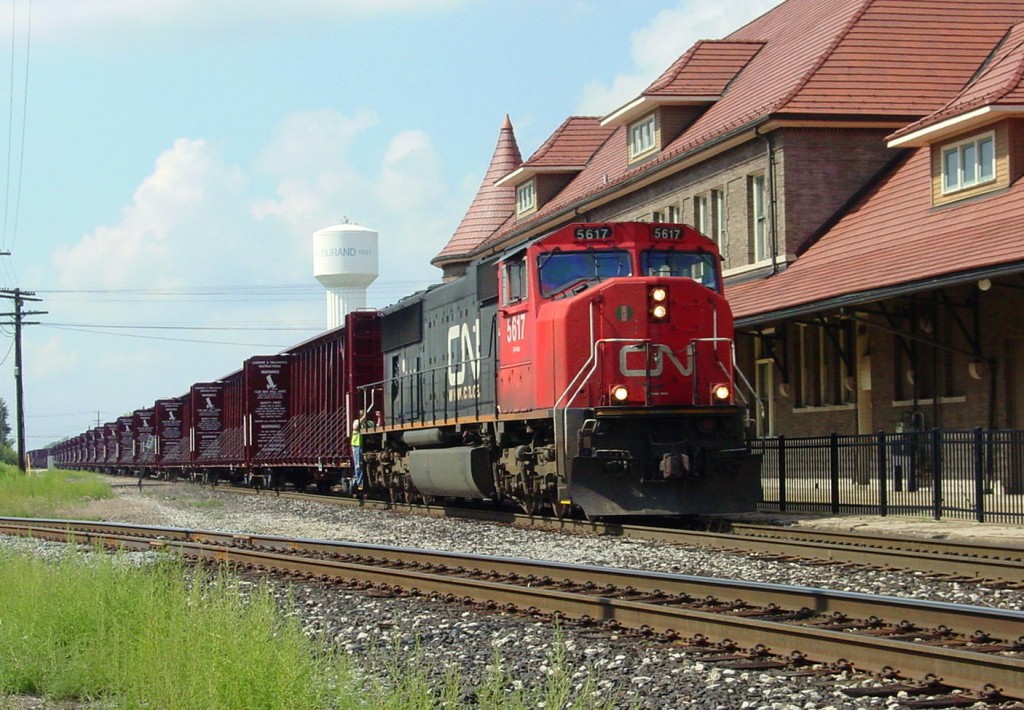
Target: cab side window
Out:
[513,281]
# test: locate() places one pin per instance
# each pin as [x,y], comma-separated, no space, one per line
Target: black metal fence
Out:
[977,474]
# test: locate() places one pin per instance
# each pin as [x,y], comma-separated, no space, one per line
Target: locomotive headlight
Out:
[721,392]
[620,393]
[657,303]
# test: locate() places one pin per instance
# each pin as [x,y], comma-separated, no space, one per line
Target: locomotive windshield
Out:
[697,266]
[562,272]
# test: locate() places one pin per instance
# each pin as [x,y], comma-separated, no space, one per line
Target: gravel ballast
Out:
[637,673]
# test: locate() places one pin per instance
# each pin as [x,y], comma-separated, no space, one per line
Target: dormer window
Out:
[969,163]
[641,137]
[526,197]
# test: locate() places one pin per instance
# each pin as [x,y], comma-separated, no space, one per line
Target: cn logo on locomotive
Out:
[463,349]
[661,354]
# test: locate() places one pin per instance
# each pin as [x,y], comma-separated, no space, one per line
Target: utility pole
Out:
[18,316]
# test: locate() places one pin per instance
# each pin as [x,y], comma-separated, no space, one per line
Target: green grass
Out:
[94,627]
[41,494]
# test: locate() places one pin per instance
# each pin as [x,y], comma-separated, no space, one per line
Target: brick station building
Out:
[858,163]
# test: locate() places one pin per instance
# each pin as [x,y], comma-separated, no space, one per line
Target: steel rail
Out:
[1003,563]
[961,619]
[962,548]
[999,564]
[613,599]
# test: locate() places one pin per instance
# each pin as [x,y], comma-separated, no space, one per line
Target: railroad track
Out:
[754,625]
[994,565]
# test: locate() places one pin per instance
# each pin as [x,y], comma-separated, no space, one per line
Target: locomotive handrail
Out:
[593,358]
[736,371]
[692,347]
[400,379]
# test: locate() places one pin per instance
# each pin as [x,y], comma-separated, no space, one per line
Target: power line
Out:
[112,326]
[244,293]
[157,337]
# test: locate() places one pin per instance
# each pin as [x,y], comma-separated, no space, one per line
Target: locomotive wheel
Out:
[396,493]
[559,508]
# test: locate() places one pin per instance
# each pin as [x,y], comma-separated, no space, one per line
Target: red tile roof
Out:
[874,59]
[572,145]
[997,84]
[705,70]
[892,238]
[492,206]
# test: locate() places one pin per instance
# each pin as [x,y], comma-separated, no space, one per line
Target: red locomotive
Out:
[592,367]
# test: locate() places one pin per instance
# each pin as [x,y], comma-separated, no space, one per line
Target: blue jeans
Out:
[357,465]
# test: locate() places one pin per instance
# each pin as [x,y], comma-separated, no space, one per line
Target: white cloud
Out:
[401,193]
[655,47]
[178,217]
[410,179]
[198,222]
[310,161]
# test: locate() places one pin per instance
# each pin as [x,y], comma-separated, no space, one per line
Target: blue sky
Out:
[167,162]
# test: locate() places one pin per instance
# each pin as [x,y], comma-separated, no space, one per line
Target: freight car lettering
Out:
[661,354]
[466,350]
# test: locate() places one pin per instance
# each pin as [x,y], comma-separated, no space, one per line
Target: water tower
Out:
[345,262]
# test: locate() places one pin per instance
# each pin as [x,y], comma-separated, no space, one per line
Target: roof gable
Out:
[701,76]
[997,85]
[567,150]
[706,70]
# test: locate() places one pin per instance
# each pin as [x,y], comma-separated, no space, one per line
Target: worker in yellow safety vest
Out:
[356,441]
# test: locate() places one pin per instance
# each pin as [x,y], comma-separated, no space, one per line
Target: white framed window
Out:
[758,218]
[702,215]
[673,214]
[526,197]
[718,220]
[969,163]
[657,216]
[641,136]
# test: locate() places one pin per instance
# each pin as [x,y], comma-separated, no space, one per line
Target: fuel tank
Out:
[458,472]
